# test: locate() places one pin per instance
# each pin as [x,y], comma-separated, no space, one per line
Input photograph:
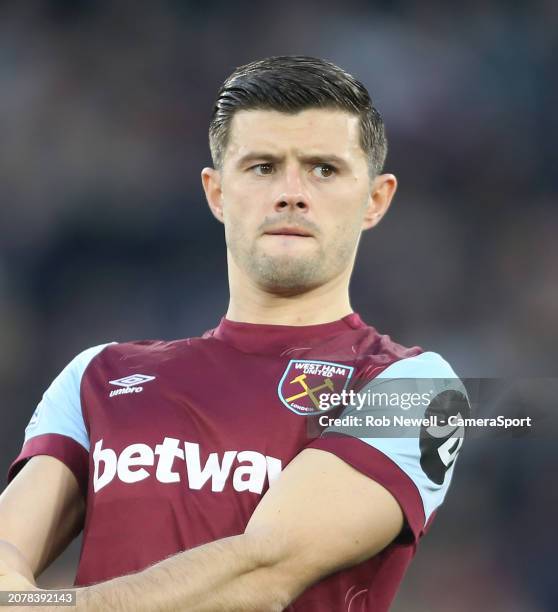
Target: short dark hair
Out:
[291,84]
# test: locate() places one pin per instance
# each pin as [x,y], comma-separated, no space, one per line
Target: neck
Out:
[250,303]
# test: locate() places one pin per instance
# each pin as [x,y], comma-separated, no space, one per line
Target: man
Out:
[163,452]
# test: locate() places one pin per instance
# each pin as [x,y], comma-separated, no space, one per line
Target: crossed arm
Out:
[320,516]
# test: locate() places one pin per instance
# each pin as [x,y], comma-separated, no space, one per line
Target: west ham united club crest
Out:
[306,385]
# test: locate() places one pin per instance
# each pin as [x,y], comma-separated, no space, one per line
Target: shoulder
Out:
[379,348]
[390,358]
[420,383]
[425,372]
[121,356]
[146,349]
[423,364]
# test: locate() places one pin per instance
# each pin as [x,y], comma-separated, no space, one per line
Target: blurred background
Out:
[105,234]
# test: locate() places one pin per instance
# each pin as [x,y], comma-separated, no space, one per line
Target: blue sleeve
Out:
[415,460]
[59,411]
[57,427]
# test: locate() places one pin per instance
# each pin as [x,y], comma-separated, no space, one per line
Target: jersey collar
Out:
[276,339]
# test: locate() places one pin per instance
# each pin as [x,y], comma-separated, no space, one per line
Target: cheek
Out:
[244,205]
[240,222]
[345,214]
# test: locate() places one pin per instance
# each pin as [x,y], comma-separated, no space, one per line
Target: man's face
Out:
[294,191]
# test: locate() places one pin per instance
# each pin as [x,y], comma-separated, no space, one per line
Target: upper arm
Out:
[330,510]
[57,427]
[41,511]
[42,508]
[322,515]
[413,445]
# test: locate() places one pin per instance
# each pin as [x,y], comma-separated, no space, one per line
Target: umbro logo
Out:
[132,380]
[129,384]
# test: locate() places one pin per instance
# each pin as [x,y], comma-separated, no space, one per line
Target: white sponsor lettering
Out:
[250,477]
[250,473]
[218,473]
[125,391]
[274,467]
[167,452]
[107,457]
[134,455]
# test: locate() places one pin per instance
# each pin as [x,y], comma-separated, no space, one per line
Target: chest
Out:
[201,424]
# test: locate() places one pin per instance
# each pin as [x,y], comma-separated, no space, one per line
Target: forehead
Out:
[319,130]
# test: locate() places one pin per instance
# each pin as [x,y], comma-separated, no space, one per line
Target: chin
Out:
[285,289]
[286,277]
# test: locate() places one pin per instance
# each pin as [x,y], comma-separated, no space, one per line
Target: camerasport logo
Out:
[305,382]
[130,384]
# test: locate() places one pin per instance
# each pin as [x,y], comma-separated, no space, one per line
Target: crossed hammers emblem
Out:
[301,378]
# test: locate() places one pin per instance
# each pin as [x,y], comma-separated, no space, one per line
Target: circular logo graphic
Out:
[440,443]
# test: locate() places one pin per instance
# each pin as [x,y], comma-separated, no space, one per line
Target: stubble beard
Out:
[290,274]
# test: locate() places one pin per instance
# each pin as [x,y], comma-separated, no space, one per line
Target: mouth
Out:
[289,231]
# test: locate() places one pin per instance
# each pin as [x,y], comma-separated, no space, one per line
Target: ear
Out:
[383,189]
[211,181]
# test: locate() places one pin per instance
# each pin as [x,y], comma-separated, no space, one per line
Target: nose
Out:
[292,194]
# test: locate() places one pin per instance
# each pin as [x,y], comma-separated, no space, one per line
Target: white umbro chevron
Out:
[132,380]
[129,384]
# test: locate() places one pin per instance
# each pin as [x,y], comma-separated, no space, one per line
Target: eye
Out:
[262,169]
[323,170]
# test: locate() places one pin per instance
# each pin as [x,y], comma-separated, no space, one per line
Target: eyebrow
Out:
[326,158]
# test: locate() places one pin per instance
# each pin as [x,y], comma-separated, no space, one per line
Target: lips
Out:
[289,231]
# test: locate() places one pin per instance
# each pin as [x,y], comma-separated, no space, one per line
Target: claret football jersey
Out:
[174,443]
